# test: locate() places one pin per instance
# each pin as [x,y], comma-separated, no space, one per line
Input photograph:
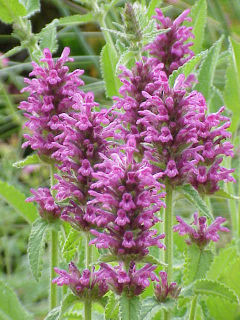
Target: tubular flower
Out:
[132,282]
[173,47]
[48,209]
[164,290]
[200,233]
[125,197]
[51,93]
[86,285]
[77,150]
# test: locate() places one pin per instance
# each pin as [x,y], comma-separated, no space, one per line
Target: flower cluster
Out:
[164,290]
[201,234]
[173,47]
[86,285]
[132,282]
[48,209]
[126,197]
[50,94]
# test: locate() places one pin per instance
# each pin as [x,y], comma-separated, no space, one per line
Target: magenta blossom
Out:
[164,290]
[51,92]
[200,233]
[133,282]
[173,47]
[86,285]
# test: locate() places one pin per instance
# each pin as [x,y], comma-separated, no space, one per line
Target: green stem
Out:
[193,308]
[88,261]
[168,224]
[54,263]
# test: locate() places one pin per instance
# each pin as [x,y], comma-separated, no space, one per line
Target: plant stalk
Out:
[193,308]
[88,261]
[54,263]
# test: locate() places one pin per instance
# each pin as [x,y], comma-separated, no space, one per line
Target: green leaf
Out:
[187,68]
[16,199]
[216,100]
[151,259]
[199,19]
[32,159]
[32,6]
[232,275]
[221,262]
[197,263]
[67,303]
[71,245]
[221,309]
[214,288]
[109,61]
[36,246]
[10,10]
[194,197]
[150,307]
[129,307]
[48,36]
[232,86]
[207,70]
[152,6]
[10,306]
[126,59]
[108,258]
[76,19]
[222,194]
[112,308]
[53,314]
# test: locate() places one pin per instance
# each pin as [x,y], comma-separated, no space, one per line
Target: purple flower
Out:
[173,47]
[126,197]
[133,282]
[51,94]
[86,285]
[200,233]
[164,290]
[48,209]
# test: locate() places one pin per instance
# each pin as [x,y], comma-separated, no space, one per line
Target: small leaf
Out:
[222,194]
[76,19]
[48,36]
[207,70]
[53,314]
[152,6]
[10,10]
[214,288]
[32,6]
[232,86]
[112,308]
[10,306]
[108,258]
[129,307]
[126,59]
[150,307]
[199,19]
[67,303]
[36,246]
[16,199]
[151,259]
[109,61]
[197,263]
[71,245]
[187,68]
[29,160]
[194,197]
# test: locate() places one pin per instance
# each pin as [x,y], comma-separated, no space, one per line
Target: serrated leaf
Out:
[214,288]
[232,87]
[35,246]
[48,36]
[16,199]
[129,307]
[29,160]
[67,303]
[10,10]
[112,308]
[152,6]
[199,19]
[207,70]
[126,59]
[76,19]
[224,195]
[216,100]
[221,309]
[151,259]
[232,275]
[150,307]
[187,68]
[10,306]
[108,258]
[53,314]
[194,197]
[197,263]
[109,61]
[31,6]
[71,245]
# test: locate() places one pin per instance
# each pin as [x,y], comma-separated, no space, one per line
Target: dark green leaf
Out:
[32,159]
[150,307]
[48,36]
[16,199]
[36,246]
[151,259]
[10,10]
[129,307]
[112,308]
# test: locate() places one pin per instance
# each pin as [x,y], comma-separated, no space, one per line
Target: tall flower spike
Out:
[86,285]
[173,47]
[51,93]
[125,197]
[200,233]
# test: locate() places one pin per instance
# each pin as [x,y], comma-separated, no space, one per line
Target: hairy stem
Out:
[54,263]
[193,308]
[88,261]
